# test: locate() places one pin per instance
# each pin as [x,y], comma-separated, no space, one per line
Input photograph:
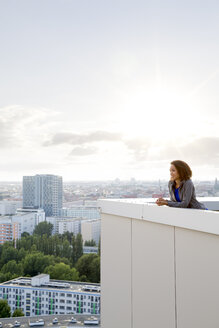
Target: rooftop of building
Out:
[54,285]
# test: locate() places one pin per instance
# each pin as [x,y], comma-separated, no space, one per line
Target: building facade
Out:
[87,212]
[90,229]
[41,296]
[43,191]
[9,207]
[11,227]
[8,230]
[62,225]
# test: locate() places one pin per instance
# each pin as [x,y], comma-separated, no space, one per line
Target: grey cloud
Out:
[138,147]
[80,139]
[202,151]
[15,121]
[7,133]
[83,151]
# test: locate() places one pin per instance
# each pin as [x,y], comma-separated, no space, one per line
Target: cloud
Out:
[83,151]
[20,125]
[201,151]
[139,147]
[81,139]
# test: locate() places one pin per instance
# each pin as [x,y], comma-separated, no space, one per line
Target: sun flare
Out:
[158,113]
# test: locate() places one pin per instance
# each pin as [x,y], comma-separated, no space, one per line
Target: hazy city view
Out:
[82,193]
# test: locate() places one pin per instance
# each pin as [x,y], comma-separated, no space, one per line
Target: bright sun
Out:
[158,113]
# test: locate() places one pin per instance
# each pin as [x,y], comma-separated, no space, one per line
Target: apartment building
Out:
[90,229]
[11,227]
[43,191]
[88,212]
[9,207]
[41,296]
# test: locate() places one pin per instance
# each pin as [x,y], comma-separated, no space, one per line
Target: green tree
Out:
[8,253]
[62,271]
[66,249]
[13,268]
[18,313]
[5,276]
[99,247]
[36,262]
[21,254]
[90,243]
[5,310]
[43,228]
[78,247]
[25,234]
[89,265]
[95,270]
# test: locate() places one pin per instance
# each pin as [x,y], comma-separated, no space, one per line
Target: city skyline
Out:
[95,91]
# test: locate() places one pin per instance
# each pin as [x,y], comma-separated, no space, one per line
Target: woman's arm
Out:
[188,190]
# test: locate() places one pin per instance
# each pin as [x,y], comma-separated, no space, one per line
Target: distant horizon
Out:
[114,180]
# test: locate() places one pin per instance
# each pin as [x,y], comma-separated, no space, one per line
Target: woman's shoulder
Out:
[188,183]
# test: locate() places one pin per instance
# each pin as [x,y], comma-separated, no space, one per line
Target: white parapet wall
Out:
[159,266]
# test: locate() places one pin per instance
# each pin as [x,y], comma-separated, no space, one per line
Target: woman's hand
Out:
[161,202]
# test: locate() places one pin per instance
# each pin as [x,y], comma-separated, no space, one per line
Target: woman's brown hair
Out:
[183,169]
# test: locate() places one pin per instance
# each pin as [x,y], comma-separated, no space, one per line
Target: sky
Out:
[98,90]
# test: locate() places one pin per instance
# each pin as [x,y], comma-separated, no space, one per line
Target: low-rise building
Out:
[41,296]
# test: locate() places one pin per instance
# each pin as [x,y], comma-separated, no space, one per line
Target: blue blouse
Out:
[176,192]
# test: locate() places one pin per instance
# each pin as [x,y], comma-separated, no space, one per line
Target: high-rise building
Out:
[43,191]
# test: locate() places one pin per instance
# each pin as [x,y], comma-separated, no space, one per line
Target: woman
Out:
[181,188]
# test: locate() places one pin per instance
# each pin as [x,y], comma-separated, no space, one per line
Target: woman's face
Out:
[174,175]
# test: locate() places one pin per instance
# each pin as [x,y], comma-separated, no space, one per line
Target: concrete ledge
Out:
[193,219]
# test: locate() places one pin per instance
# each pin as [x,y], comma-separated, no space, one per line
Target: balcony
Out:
[159,265]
